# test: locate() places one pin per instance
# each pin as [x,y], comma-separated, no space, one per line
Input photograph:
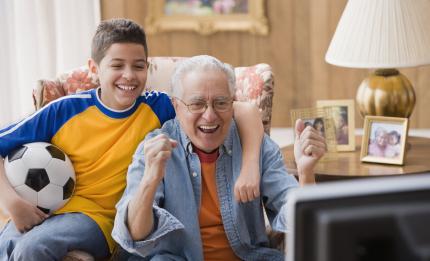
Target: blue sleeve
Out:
[42,125]
[160,104]
[37,127]
[164,222]
[276,183]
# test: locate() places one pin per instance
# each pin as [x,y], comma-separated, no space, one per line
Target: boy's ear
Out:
[93,66]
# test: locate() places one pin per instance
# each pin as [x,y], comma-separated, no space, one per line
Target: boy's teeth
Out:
[127,87]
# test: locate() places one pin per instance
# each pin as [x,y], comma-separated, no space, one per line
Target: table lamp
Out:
[383,35]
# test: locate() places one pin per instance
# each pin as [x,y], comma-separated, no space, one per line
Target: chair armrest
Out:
[46,91]
[254,84]
[77,80]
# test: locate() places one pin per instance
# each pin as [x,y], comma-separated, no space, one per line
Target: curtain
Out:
[38,40]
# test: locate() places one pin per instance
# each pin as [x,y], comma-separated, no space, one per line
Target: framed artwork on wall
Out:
[384,140]
[344,122]
[207,16]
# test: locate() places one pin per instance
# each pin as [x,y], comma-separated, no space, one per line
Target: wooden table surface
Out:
[344,165]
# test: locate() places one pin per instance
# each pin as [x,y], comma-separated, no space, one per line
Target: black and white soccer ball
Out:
[42,174]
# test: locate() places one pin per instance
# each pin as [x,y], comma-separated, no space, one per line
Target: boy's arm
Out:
[24,215]
[251,133]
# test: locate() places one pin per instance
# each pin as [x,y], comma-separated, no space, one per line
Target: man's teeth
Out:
[127,87]
[207,127]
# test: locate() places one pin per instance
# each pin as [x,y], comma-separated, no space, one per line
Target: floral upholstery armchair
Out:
[253,84]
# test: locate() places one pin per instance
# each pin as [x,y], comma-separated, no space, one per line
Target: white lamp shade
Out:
[382,34]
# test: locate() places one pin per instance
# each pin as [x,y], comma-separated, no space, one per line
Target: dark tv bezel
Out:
[352,193]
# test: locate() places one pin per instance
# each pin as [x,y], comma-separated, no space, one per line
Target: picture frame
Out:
[315,117]
[384,140]
[343,114]
[205,18]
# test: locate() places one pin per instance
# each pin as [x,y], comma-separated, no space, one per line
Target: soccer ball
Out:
[42,174]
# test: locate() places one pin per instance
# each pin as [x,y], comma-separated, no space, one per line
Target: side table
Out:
[346,165]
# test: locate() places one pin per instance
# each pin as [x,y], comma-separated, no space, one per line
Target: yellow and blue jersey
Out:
[99,141]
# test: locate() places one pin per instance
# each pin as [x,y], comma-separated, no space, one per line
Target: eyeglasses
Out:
[218,104]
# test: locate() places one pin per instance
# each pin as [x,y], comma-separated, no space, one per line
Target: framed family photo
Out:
[384,140]
[207,16]
[342,112]
[319,119]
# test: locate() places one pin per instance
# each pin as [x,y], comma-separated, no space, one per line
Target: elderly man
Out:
[179,202]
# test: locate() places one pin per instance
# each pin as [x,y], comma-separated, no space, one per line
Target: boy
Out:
[99,130]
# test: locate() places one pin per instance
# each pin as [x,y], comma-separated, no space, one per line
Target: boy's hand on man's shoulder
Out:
[247,186]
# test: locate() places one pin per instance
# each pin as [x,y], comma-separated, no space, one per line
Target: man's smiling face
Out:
[206,130]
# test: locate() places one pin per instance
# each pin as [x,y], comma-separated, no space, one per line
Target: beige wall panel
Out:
[112,8]
[300,32]
[318,46]
[187,44]
[226,47]
[281,47]
[159,45]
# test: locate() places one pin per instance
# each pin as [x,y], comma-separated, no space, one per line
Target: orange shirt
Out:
[214,239]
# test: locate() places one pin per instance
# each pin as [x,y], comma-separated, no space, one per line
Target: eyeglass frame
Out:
[206,105]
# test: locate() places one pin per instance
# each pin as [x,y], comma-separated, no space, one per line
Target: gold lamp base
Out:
[386,92]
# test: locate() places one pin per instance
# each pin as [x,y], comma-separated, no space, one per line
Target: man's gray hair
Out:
[200,63]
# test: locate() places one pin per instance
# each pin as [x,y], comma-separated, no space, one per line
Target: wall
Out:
[300,32]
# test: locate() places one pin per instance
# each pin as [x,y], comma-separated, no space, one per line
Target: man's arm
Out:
[275,183]
[140,217]
[309,147]
[249,124]
[24,215]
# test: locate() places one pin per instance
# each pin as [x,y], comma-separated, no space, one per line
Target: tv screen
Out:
[361,220]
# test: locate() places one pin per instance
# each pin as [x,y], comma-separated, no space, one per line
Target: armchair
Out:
[254,84]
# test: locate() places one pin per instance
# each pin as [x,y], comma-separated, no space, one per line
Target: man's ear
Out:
[174,103]
[93,66]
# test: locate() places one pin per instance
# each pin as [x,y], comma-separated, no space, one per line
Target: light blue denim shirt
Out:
[176,234]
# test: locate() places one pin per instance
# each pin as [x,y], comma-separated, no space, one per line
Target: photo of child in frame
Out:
[342,116]
[321,120]
[317,124]
[385,140]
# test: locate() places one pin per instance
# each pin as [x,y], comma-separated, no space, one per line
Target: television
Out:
[360,220]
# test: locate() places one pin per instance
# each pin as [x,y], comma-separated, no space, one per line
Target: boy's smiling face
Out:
[122,73]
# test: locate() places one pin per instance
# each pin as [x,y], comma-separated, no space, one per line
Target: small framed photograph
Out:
[384,139]
[321,120]
[344,122]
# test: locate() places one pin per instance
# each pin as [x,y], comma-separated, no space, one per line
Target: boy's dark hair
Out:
[116,31]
